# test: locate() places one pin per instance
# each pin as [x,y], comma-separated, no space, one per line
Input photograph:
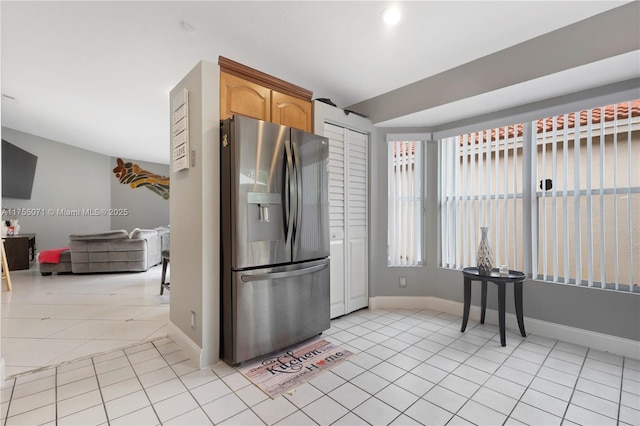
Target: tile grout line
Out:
[104,404]
[85,357]
[381,361]
[528,386]
[349,411]
[621,383]
[186,387]
[142,386]
[602,384]
[13,388]
[408,371]
[573,390]
[449,373]
[189,390]
[490,376]
[55,396]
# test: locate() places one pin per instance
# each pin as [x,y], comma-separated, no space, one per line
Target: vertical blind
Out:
[481,186]
[589,206]
[405,203]
[585,203]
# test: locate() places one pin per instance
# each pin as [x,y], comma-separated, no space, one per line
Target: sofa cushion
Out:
[109,235]
[139,234]
[162,230]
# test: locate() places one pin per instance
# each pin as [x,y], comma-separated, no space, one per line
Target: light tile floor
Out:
[50,320]
[411,367]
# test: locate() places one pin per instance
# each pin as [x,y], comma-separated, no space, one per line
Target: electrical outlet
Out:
[403,282]
[193,320]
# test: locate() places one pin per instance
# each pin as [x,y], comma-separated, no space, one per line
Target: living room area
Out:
[107,294]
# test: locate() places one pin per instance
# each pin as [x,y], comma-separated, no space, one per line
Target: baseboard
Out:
[578,336]
[185,343]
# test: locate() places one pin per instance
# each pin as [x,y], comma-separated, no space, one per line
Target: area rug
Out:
[282,371]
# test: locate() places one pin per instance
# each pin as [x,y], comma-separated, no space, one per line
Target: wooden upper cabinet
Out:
[239,96]
[249,92]
[290,111]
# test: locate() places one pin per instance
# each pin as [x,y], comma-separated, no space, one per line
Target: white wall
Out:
[195,222]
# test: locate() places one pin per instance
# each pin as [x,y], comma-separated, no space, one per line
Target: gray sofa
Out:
[112,251]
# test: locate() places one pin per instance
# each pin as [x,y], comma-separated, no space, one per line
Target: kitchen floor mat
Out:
[282,371]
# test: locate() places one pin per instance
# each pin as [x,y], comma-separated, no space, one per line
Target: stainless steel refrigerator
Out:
[275,237]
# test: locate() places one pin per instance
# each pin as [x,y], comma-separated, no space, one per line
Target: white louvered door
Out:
[357,249]
[336,217]
[347,219]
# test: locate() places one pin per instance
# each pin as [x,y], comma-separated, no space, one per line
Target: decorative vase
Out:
[484,256]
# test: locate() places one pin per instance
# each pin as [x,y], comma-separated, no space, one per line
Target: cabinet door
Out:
[239,96]
[290,111]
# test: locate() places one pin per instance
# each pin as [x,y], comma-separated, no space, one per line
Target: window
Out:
[588,197]
[560,195]
[482,186]
[405,191]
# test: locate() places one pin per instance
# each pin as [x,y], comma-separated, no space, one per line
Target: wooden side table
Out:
[515,277]
[21,250]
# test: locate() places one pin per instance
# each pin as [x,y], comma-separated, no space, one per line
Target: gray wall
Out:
[195,218]
[66,178]
[145,208]
[384,280]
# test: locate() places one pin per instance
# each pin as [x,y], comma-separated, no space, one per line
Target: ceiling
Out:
[98,74]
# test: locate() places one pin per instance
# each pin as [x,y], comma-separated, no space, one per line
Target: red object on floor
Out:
[51,256]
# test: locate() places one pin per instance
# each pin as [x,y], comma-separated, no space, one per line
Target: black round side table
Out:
[515,277]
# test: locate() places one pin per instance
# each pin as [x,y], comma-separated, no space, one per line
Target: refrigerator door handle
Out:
[298,195]
[287,274]
[288,195]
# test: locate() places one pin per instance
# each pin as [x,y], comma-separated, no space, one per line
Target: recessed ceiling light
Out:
[188,28]
[390,16]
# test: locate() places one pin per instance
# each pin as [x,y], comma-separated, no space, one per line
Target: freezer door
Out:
[310,235]
[259,170]
[278,307]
